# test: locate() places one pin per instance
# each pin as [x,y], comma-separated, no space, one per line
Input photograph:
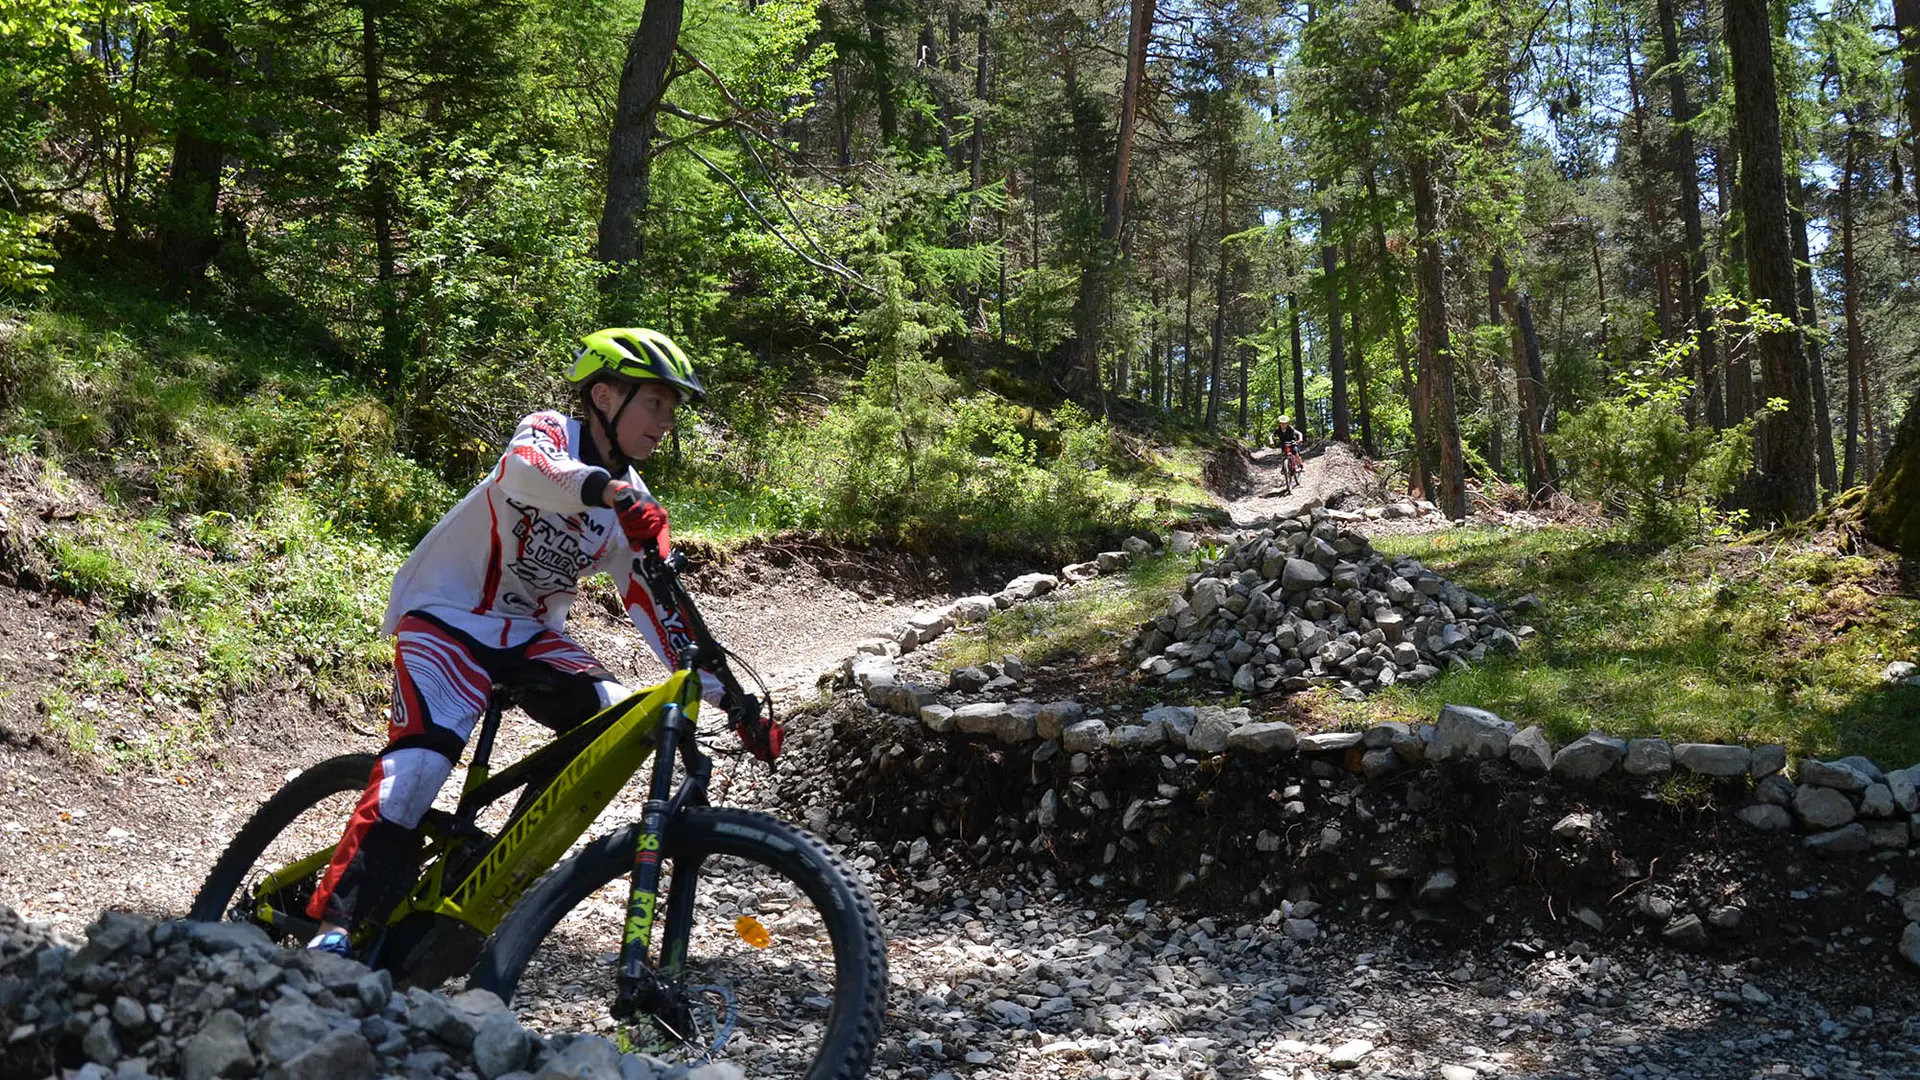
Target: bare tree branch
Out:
[840,272]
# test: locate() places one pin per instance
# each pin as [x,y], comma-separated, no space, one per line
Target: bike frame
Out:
[569,782]
[619,741]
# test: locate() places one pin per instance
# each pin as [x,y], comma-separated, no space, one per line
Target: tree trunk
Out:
[1186,339]
[1892,510]
[643,79]
[1906,27]
[982,85]
[1650,206]
[1786,490]
[1435,393]
[1496,386]
[1850,301]
[1421,475]
[1533,399]
[1336,348]
[189,227]
[1810,320]
[1219,313]
[1686,175]
[1738,378]
[1243,350]
[878,54]
[1279,364]
[842,129]
[380,206]
[1299,369]
[1096,279]
[1153,349]
[1359,353]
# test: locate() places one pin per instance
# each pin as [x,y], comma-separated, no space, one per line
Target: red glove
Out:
[759,733]
[642,518]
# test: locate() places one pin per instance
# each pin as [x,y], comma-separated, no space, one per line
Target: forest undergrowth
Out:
[230,508]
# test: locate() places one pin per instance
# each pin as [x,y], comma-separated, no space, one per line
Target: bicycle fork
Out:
[641,988]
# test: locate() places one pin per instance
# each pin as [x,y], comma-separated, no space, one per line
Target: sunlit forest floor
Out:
[1763,638]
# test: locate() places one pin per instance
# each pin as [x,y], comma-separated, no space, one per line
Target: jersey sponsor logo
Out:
[555,430]
[549,557]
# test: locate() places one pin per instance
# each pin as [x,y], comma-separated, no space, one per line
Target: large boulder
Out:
[1084,735]
[1531,752]
[1588,758]
[1208,595]
[1713,759]
[1025,587]
[1648,757]
[1465,733]
[1212,726]
[1838,775]
[1822,807]
[1262,737]
[1299,575]
[970,609]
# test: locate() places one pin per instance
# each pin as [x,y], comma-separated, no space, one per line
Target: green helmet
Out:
[636,353]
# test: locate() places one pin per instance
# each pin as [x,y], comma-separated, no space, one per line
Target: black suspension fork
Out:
[640,986]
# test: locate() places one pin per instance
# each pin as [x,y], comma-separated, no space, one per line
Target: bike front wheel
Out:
[784,971]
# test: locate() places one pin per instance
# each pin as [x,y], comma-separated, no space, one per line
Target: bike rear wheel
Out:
[301,820]
[806,1001]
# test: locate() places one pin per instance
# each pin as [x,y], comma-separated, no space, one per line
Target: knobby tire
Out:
[853,926]
[334,776]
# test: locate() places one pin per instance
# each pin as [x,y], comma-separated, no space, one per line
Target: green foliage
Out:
[25,256]
[1085,623]
[1635,453]
[155,404]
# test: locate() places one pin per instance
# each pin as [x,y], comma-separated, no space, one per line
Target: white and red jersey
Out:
[507,560]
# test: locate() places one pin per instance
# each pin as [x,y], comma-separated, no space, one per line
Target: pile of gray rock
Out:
[203,1001]
[1309,603]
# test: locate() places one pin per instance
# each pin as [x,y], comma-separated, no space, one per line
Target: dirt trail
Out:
[74,839]
[1332,472]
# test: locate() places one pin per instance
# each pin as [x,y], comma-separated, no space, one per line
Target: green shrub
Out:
[1636,453]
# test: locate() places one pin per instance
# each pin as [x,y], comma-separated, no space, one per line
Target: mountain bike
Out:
[1291,464]
[769,952]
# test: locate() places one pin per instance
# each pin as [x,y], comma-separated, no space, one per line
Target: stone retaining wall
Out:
[1849,807]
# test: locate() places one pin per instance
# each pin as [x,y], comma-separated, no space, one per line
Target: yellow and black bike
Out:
[768,954]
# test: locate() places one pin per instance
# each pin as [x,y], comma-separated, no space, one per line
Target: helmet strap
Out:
[621,461]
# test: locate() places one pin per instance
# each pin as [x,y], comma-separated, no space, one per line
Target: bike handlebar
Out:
[750,716]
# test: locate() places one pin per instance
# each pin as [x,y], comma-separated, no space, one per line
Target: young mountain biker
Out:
[1286,436]
[483,601]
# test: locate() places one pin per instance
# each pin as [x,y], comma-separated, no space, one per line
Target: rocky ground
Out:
[1475,920]
[1005,960]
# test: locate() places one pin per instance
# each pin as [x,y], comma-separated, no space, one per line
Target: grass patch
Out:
[284,601]
[1761,640]
[1092,617]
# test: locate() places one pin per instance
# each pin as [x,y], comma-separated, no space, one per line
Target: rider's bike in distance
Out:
[769,951]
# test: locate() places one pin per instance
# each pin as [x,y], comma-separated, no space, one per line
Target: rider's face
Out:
[645,420]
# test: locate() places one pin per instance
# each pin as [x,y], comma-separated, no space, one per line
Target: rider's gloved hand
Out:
[642,518]
[759,733]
